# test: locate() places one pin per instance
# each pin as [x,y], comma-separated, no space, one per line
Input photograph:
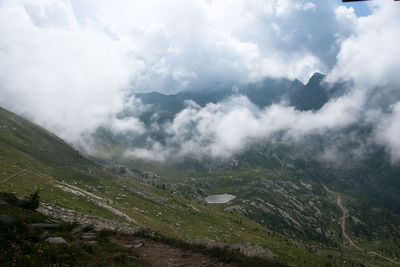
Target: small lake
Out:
[224,198]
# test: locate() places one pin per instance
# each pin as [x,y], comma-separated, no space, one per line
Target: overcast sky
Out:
[68,64]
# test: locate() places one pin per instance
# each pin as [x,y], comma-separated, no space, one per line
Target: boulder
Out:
[139,245]
[81,228]
[56,241]
[44,235]
[88,236]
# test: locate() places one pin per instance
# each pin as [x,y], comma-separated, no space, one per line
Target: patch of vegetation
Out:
[31,202]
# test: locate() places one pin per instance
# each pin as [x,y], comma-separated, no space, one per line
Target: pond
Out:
[224,198]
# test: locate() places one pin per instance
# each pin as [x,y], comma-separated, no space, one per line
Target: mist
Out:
[75,66]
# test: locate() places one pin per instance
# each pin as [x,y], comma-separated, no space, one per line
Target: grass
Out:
[21,246]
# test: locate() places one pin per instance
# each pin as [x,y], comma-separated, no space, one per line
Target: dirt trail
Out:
[159,254]
[15,174]
[345,214]
[343,223]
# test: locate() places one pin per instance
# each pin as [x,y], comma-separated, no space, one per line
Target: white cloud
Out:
[69,65]
[223,129]
[371,56]
[388,129]
[64,77]
[371,59]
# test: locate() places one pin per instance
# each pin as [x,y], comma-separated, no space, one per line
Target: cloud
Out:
[370,56]
[371,59]
[65,77]
[73,65]
[387,132]
[226,128]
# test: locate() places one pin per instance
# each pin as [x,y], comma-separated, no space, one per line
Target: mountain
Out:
[75,189]
[306,204]
[311,96]
[161,109]
[328,191]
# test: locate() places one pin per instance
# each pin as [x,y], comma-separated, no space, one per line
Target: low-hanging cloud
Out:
[72,67]
[226,128]
[371,59]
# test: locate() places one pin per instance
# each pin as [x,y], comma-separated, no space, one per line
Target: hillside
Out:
[74,189]
[28,238]
[321,208]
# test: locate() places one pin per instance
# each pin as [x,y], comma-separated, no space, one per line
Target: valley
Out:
[281,211]
[81,190]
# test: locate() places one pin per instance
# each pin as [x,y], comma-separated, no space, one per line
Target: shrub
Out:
[32,202]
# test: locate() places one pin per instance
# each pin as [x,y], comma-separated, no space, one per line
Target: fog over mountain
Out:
[74,66]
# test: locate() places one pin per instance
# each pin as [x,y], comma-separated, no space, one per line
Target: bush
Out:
[32,202]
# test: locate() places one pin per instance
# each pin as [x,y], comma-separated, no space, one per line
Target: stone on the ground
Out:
[44,235]
[87,236]
[3,203]
[127,246]
[56,240]
[81,228]
[92,242]
[138,245]
[6,219]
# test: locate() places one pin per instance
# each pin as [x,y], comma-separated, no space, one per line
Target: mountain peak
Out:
[316,78]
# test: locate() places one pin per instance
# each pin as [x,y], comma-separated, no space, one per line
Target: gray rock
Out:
[127,246]
[81,228]
[44,235]
[56,241]
[138,245]
[88,236]
[3,203]
[92,242]
[6,219]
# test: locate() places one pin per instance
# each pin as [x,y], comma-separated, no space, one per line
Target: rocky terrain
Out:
[64,237]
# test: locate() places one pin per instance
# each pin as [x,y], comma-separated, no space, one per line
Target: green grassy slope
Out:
[34,159]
